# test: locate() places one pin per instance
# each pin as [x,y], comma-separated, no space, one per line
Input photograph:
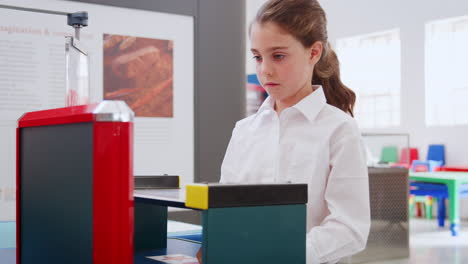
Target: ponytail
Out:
[327,74]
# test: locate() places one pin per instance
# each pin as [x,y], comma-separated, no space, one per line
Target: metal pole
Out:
[77,32]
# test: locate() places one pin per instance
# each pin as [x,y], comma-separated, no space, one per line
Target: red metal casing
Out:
[113,202]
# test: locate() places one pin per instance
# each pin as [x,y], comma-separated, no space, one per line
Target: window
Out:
[446,67]
[370,66]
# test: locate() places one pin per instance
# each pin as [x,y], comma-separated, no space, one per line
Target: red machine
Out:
[75,185]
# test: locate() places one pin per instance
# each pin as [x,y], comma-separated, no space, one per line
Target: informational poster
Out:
[143,58]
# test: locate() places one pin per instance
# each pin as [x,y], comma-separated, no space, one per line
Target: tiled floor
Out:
[432,245]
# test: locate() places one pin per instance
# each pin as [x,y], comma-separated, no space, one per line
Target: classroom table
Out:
[249,224]
[457,183]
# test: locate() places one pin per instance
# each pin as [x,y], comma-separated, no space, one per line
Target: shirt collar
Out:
[309,106]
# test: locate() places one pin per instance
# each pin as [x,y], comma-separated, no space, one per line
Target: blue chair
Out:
[437,153]
[438,191]
[435,158]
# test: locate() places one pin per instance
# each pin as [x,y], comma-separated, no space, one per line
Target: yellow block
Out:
[197,196]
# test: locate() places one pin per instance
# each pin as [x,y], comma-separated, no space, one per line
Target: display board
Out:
[144,58]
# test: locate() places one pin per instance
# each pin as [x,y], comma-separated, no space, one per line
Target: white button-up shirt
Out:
[314,143]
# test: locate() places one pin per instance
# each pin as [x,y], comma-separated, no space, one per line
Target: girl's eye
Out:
[278,56]
[257,58]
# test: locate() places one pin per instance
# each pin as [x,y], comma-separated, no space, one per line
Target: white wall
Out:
[161,145]
[348,18]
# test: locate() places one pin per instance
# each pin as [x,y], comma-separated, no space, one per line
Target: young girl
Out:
[304,132]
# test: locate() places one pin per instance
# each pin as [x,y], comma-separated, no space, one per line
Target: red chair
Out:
[406,157]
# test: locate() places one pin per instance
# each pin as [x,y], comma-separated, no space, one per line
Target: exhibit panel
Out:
[135,60]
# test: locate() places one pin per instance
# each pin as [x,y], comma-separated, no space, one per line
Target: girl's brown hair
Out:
[306,21]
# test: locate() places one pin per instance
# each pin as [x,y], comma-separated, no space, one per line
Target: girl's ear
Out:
[316,52]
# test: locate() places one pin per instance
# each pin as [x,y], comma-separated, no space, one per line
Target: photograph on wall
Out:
[140,72]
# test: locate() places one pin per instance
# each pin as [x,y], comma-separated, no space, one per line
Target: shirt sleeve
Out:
[344,230]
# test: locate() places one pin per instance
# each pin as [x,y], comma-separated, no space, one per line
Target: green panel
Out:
[150,226]
[252,235]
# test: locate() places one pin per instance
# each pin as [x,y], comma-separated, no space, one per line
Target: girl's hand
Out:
[199,255]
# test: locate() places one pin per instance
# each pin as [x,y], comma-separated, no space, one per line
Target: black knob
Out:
[78,19]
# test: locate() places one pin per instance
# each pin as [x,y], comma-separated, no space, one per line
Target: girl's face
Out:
[284,65]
